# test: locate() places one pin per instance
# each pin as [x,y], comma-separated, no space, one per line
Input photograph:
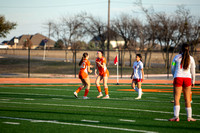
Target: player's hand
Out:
[98,63]
[90,71]
[91,66]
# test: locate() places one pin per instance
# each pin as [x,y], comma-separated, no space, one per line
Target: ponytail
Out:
[81,61]
[84,56]
[185,56]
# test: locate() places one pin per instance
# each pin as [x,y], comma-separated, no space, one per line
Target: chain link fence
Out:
[64,63]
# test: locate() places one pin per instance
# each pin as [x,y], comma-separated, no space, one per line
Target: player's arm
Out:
[132,74]
[142,74]
[95,71]
[90,71]
[192,69]
[173,66]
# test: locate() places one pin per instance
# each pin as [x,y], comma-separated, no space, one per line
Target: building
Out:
[37,40]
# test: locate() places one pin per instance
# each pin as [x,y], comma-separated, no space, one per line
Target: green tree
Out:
[59,44]
[5,26]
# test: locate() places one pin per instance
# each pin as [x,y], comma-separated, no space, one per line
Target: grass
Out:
[59,111]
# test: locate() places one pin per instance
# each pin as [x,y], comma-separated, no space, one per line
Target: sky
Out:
[31,16]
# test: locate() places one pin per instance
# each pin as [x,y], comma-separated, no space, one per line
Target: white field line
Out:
[94,107]
[126,120]
[125,98]
[157,119]
[5,99]
[90,121]
[12,123]
[90,90]
[29,99]
[76,124]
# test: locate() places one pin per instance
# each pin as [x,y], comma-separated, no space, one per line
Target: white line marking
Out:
[57,98]
[5,99]
[90,121]
[29,99]
[157,119]
[96,107]
[198,119]
[126,120]
[12,123]
[76,124]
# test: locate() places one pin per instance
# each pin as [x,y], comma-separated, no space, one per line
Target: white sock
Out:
[139,92]
[176,110]
[189,112]
[136,89]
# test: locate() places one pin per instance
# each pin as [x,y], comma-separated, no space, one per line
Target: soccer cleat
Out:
[174,119]
[85,97]
[100,95]
[106,97]
[138,98]
[75,94]
[191,119]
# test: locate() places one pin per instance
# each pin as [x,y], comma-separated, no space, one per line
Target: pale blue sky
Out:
[31,15]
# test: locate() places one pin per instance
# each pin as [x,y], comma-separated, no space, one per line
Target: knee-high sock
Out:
[189,112]
[86,92]
[99,89]
[106,90]
[140,92]
[79,89]
[176,110]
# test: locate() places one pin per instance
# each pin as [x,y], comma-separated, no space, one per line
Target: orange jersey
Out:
[101,69]
[84,66]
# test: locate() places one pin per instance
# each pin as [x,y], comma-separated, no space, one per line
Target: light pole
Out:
[108,33]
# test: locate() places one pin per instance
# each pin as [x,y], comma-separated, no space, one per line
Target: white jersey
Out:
[137,66]
[178,71]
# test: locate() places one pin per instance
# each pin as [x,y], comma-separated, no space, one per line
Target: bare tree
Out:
[71,30]
[97,29]
[123,25]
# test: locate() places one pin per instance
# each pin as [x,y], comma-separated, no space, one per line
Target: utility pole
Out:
[108,33]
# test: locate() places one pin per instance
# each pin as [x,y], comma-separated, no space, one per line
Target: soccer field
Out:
[45,108]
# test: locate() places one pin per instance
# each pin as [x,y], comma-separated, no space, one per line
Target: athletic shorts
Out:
[137,80]
[105,74]
[82,75]
[182,82]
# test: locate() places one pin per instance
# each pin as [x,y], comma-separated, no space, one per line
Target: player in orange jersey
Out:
[103,74]
[83,75]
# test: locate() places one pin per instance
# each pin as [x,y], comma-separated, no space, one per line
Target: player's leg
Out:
[133,85]
[87,82]
[187,96]
[177,95]
[80,88]
[139,84]
[97,82]
[105,80]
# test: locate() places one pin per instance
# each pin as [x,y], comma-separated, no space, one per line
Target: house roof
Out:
[36,39]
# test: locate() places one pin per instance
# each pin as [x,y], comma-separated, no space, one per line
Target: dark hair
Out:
[139,55]
[185,56]
[84,56]
[101,51]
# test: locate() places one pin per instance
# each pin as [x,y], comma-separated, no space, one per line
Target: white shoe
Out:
[106,97]
[100,95]
[85,97]
[75,94]
[138,98]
